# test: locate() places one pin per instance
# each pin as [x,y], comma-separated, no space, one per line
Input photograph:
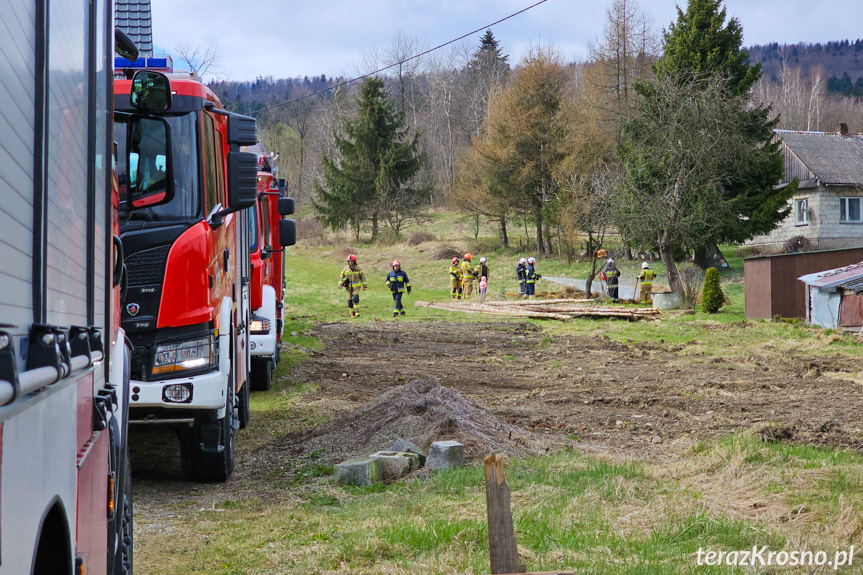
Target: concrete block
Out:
[445,454]
[360,472]
[395,464]
[403,445]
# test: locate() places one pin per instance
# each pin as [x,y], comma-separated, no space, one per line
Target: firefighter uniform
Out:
[612,278]
[455,278]
[468,276]
[532,276]
[521,276]
[398,282]
[646,284]
[353,280]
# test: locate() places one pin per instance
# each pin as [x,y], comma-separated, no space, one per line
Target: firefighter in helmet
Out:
[455,277]
[482,268]
[521,276]
[611,275]
[468,275]
[352,279]
[532,276]
[645,279]
[398,282]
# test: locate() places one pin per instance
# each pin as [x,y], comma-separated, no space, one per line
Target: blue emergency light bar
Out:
[162,63]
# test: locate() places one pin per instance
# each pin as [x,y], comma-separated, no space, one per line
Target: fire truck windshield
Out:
[186,203]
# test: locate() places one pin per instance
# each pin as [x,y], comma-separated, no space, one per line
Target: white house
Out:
[827,210]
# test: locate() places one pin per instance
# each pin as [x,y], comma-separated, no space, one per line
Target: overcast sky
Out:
[288,38]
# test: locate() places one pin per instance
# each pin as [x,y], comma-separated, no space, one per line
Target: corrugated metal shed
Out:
[830,157]
[847,277]
[770,282]
[134,18]
[829,304]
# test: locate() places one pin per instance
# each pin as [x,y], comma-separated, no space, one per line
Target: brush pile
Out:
[560,309]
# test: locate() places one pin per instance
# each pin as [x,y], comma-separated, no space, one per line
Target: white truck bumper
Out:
[263,345]
[208,392]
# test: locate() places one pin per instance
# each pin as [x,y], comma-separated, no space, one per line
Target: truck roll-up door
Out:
[68,99]
[17,124]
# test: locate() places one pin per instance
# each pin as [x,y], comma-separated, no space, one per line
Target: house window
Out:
[849,210]
[801,212]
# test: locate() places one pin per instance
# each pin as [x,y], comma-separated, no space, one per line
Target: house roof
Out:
[134,18]
[848,277]
[833,158]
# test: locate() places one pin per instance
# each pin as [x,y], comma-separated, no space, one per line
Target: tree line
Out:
[656,142]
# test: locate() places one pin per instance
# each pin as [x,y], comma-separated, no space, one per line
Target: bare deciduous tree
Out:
[200,60]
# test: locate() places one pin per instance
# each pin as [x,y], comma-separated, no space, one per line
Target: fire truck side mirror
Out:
[242,180]
[151,92]
[286,206]
[287,232]
[149,161]
[242,131]
[124,46]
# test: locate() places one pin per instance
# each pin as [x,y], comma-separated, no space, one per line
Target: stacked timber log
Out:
[560,309]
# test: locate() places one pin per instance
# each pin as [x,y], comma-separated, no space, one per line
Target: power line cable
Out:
[400,62]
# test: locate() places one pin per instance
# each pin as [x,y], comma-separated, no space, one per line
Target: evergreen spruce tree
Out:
[487,71]
[701,44]
[488,55]
[374,164]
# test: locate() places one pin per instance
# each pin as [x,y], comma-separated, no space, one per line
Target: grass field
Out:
[590,509]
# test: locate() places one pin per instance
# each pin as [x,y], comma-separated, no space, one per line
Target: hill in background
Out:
[841,61]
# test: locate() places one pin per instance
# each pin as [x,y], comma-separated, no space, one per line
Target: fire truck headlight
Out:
[179,393]
[259,326]
[199,353]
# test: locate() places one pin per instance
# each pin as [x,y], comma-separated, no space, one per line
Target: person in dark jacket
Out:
[612,279]
[482,269]
[521,276]
[532,276]
[398,282]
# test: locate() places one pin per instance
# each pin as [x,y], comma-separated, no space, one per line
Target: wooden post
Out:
[501,534]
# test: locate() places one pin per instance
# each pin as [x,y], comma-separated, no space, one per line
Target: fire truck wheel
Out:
[209,463]
[262,374]
[126,540]
[244,414]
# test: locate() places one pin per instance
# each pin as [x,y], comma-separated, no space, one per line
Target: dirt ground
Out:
[588,390]
[635,401]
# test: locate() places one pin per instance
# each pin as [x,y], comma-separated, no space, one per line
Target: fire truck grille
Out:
[147,267]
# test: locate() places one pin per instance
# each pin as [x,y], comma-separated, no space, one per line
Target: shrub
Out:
[448,253]
[419,237]
[712,297]
[691,278]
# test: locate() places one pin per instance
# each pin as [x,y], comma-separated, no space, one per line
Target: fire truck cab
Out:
[186,310]
[271,234]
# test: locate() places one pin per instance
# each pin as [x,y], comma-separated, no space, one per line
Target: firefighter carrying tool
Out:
[398,282]
[455,277]
[352,279]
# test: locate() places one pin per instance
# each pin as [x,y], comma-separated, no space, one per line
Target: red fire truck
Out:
[270,235]
[186,311]
[65,498]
